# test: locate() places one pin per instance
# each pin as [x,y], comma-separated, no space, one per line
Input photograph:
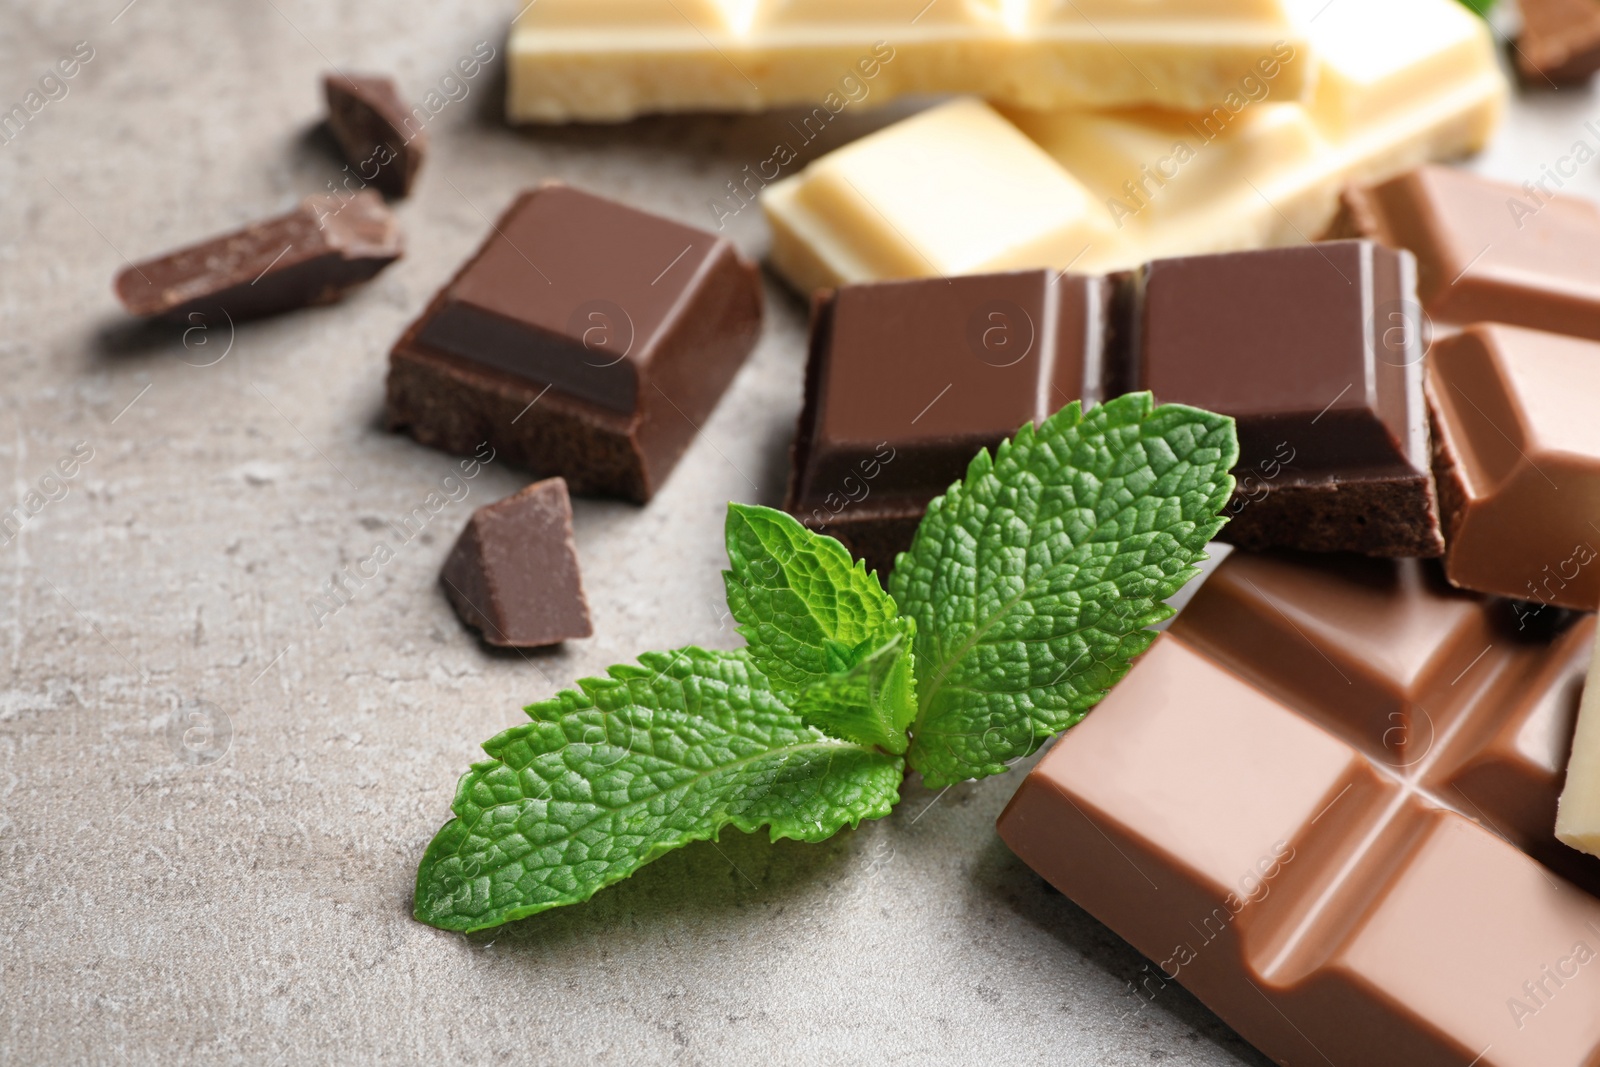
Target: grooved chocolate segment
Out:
[1334,895]
[370,122]
[312,255]
[513,573]
[907,381]
[616,330]
[1518,455]
[1560,42]
[1294,344]
[1487,251]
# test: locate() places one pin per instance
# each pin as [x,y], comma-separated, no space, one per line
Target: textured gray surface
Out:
[255,908]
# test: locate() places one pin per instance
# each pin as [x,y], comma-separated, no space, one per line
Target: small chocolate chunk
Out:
[1487,251]
[584,338]
[513,573]
[312,255]
[907,381]
[1560,42]
[1297,344]
[1517,449]
[373,128]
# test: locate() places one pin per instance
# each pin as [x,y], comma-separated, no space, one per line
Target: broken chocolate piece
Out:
[312,255]
[1297,344]
[1517,450]
[1324,803]
[584,338]
[907,381]
[1487,251]
[370,122]
[1560,42]
[513,573]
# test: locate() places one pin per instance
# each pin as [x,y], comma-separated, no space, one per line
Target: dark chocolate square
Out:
[585,338]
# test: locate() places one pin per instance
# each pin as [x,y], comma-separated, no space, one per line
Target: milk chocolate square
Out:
[585,338]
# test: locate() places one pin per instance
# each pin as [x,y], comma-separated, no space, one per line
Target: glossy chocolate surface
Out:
[1324,802]
[513,573]
[909,380]
[312,255]
[1487,251]
[1518,462]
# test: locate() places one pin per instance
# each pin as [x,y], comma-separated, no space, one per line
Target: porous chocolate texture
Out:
[1317,353]
[907,381]
[513,573]
[371,124]
[584,339]
[312,255]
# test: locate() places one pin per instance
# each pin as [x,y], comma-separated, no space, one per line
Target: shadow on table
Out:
[1002,877]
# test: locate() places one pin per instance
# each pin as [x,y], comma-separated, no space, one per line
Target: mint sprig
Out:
[1027,592]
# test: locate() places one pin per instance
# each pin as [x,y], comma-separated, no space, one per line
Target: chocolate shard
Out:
[1324,802]
[513,573]
[1314,351]
[907,381]
[1517,454]
[370,122]
[312,255]
[1560,42]
[1487,251]
[584,338]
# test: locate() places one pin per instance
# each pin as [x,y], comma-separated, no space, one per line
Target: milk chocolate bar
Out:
[372,125]
[1488,251]
[312,255]
[584,339]
[1518,462]
[1398,83]
[609,60]
[1324,804]
[1297,344]
[1560,42]
[907,381]
[513,573]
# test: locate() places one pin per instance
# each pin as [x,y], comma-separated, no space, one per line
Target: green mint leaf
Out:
[1033,580]
[820,627]
[609,776]
[871,697]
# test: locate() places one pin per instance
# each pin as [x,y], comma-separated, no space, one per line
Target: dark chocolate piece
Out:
[584,338]
[1487,251]
[513,573]
[312,255]
[907,381]
[1517,453]
[1325,804]
[1297,344]
[1560,42]
[371,124]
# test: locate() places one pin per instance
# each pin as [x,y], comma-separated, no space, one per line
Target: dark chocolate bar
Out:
[370,122]
[584,338]
[1324,802]
[513,573]
[1487,251]
[907,381]
[1517,449]
[1297,345]
[312,255]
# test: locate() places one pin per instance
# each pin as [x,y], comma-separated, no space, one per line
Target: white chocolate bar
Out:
[1578,817]
[1398,83]
[610,60]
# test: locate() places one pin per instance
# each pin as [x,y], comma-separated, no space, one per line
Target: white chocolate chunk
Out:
[1250,171]
[609,60]
[1578,817]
